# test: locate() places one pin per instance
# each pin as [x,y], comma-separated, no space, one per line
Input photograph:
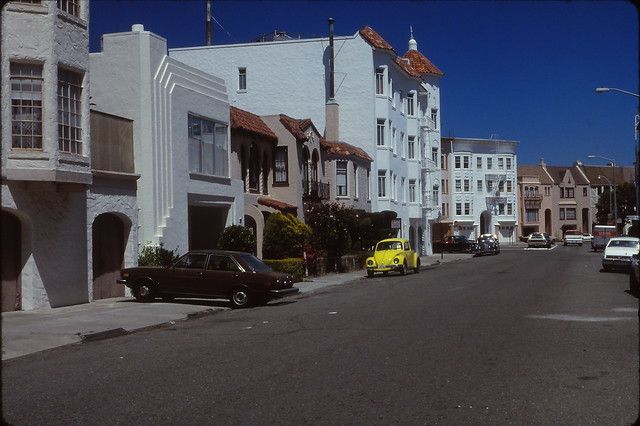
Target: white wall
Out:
[133,77]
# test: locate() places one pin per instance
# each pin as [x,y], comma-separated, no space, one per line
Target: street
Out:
[525,337]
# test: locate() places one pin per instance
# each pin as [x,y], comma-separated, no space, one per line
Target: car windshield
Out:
[389,245]
[623,243]
[254,263]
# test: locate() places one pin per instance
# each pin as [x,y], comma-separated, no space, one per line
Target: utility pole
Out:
[208,25]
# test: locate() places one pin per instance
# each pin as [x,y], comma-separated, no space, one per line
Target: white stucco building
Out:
[54,202]
[387,105]
[479,188]
[181,139]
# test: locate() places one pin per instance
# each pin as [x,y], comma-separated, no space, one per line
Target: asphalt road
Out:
[525,337]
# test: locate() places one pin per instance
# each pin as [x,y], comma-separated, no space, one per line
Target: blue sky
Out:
[522,71]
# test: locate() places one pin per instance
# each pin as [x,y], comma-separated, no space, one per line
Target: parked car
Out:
[634,275]
[538,240]
[573,237]
[618,252]
[393,254]
[549,238]
[601,236]
[486,244]
[586,236]
[453,243]
[240,277]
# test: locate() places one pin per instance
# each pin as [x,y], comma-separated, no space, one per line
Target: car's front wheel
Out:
[144,291]
[370,273]
[403,268]
[239,298]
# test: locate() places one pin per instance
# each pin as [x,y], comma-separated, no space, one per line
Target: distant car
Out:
[240,277]
[538,240]
[634,275]
[618,252]
[586,236]
[573,237]
[601,236]
[454,243]
[393,254]
[486,244]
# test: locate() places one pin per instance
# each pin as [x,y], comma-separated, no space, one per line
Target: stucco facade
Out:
[50,194]
[479,188]
[292,77]
[181,139]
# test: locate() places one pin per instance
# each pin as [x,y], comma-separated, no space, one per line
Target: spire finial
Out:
[413,45]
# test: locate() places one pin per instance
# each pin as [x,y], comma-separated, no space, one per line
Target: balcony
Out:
[427,123]
[532,201]
[314,191]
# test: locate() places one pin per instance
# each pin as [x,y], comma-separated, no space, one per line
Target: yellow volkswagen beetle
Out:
[393,254]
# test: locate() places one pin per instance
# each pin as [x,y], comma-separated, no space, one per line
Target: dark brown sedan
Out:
[240,277]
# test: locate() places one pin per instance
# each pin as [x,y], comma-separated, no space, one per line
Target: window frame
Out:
[25,111]
[69,96]
[281,150]
[342,190]
[242,79]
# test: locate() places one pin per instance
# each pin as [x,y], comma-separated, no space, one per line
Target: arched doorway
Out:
[485,223]
[11,262]
[108,244]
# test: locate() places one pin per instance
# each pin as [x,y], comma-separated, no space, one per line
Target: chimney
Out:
[542,163]
[332,109]
[207,39]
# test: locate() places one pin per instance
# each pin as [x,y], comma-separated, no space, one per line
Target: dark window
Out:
[192,261]
[282,165]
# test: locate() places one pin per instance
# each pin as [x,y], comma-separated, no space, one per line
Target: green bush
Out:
[156,255]
[293,266]
[237,238]
[284,236]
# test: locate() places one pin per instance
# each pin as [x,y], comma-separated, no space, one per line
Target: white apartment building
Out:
[479,188]
[180,135]
[385,104]
[56,207]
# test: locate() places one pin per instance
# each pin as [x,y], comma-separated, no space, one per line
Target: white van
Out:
[601,236]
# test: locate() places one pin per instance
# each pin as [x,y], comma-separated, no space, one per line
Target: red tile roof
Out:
[295,127]
[374,39]
[421,64]
[250,123]
[343,149]
[407,66]
[276,204]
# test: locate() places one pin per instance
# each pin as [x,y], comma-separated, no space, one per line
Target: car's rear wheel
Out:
[634,285]
[370,274]
[239,298]
[144,291]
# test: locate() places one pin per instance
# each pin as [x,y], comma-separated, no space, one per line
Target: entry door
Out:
[108,256]
[11,262]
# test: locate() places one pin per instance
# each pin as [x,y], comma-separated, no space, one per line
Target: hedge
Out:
[292,265]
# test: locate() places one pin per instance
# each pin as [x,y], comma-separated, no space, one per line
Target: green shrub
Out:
[284,236]
[156,255]
[293,266]
[238,238]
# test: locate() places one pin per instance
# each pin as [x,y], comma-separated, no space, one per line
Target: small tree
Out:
[156,255]
[284,236]
[237,238]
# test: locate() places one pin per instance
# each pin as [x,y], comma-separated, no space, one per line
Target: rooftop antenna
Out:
[208,25]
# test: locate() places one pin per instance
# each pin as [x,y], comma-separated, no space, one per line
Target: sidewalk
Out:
[27,332]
